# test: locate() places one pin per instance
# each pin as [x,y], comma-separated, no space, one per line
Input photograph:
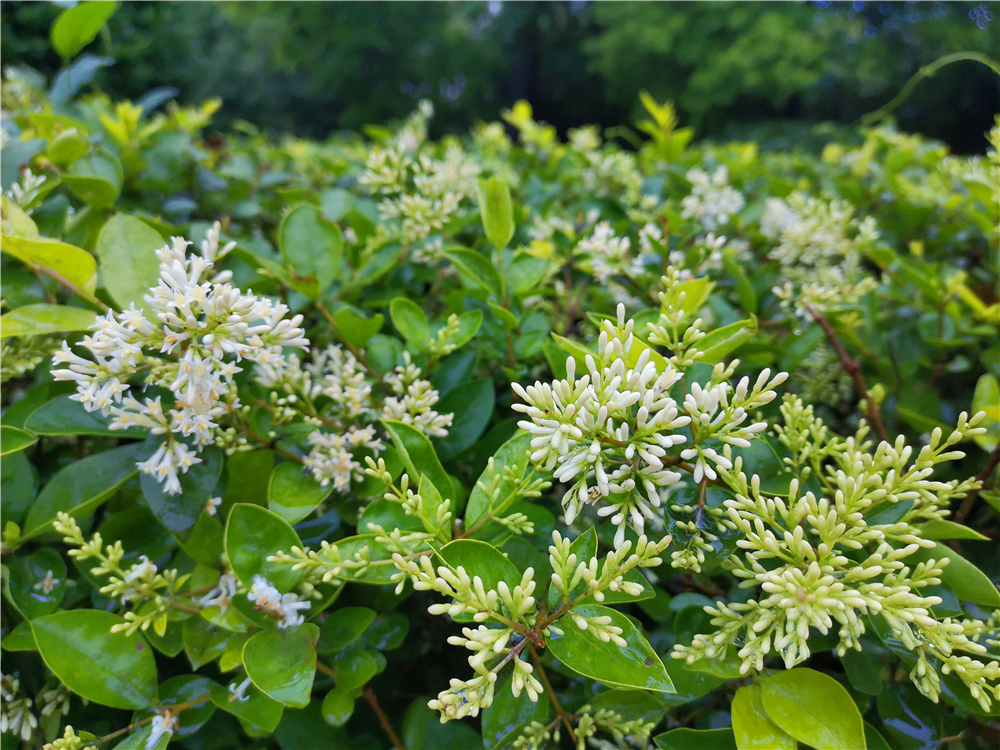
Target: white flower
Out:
[712,200]
[283,607]
[48,584]
[211,507]
[163,724]
[238,693]
[223,592]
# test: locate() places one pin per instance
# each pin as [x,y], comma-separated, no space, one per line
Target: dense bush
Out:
[687,445]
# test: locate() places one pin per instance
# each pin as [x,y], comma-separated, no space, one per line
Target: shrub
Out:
[588,443]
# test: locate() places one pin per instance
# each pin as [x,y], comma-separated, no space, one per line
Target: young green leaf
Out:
[813,708]
[311,245]
[410,321]
[477,268]
[418,456]
[78,26]
[61,260]
[480,559]
[41,319]
[259,708]
[497,211]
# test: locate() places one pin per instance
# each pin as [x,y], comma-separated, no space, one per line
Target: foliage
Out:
[680,446]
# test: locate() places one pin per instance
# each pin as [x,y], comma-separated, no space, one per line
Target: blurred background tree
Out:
[766,70]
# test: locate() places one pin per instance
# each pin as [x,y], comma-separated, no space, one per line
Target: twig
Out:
[174,710]
[271,444]
[982,477]
[321,667]
[369,695]
[852,368]
[552,696]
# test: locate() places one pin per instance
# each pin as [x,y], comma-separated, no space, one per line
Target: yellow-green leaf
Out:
[813,708]
[40,319]
[72,265]
[753,729]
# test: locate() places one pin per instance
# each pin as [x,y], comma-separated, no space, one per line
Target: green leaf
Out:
[254,533]
[635,666]
[129,265]
[696,739]
[67,147]
[744,289]
[909,718]
[524,273]
[356,330]
[481,559]
[813,708]
[468,325]
[355,669]
[205,542]
[292,493]
[472,404]
[497,211]
[184,688]
[578,351]
[505,316]
[179,513]
[948,530]
[20,638]
[82,486]
[415,450]
[204,642]
[41,319]
[338,706]
[13,440]
[986,398]
[259,708]
[282,663]
[65,416]
[311,245]
[513,454]
[969,583]
[77,27]
[864,671]
[874,740]
[248,474]
[343,627]
[410,321]
[478,268]
[752,727]
[723,341]
[96,180]
[504,719]
[112,669]
[431,501]
[26,584]
[73,264]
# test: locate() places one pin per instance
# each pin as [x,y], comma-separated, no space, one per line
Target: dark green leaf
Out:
[292,493]
[343,627]
[13,440]
[179,512]
[252,535]
[472,405]
[696,739]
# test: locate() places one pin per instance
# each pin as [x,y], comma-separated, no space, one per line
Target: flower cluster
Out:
[611,434]
[16,716]
[825,560]
[139,584]
[713,201]
[820,249]
[334,393]
[204,327]
[285,608]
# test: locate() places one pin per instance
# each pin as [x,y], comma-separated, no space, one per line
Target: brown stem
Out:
[265,441]
[552,696]
[352,348]
[174,710]
[852,368]
[982,478]
[369,695]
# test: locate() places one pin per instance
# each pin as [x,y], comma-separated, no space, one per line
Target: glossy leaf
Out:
[62,260]
[254,533]
[338,706]
[96,180]
[37,582]
[129,264]
[480,559]
[751,725]
[64,416]
[343,627]
[942,529]
[696,739]
[911,720]
[179,512]
[82,486]
[813,708]
[410,321]
[512,454]
[112,669]
[259,708]
[968,582]
[723,341]
[635,666]
[355,669]
[292,493]
[13,440]
[42,319]
[418,456]
[282,663]
[472,405]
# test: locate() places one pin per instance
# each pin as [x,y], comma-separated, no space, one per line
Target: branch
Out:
[369,695]
[853,369]
[552,696]
[982,478]
[351,347]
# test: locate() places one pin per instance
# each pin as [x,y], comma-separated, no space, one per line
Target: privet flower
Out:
[204,327]
[16,716]
[712,201]
[285,608]
[611,435]
[820,562]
